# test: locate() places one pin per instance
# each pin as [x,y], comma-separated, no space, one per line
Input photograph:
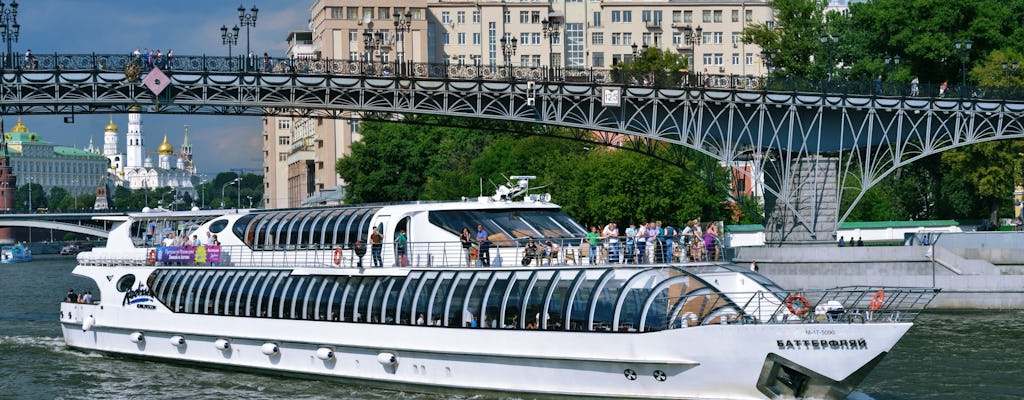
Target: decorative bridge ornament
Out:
[807,142]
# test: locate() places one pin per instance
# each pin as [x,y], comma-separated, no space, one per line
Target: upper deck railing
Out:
[676,79]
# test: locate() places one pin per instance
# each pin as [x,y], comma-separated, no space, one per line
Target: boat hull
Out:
[708,362]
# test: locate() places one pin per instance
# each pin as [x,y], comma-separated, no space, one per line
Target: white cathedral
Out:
[131,170]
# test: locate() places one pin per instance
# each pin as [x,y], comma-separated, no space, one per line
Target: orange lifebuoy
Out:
[337,256]
[799,309]
[151,258]
[878,300]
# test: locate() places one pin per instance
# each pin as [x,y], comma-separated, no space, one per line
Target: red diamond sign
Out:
[156,81]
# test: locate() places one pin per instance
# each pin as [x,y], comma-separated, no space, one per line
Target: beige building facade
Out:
[558,33]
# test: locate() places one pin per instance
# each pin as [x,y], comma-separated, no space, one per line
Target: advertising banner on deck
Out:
[181,254]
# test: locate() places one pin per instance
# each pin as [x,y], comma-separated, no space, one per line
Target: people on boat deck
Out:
[376,245]
[87,297]
[400,250]
[467,245]
[483,240]
[169,240]
[530,252]
[594,239]
[360,251]
[420,320]
[72,297]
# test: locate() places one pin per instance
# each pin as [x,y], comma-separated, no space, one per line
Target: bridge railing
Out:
[681,79]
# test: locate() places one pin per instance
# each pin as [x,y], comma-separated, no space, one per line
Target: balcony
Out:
[653,24]
[680,25]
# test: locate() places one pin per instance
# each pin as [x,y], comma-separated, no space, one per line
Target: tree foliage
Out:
[793,39]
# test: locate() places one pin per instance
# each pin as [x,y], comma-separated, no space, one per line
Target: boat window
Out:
[203,303]
[605,300]
[454,312]
[262,240]
[338,232]
[325,220]
[243,302]
[504,226]
[375,299]
[422,297]
[579,315]
[559,292]
[307,299]
[437,299]
[282,304]
[164,279]
[391,300]
[535,300]
[227,287]
[407,292]
[474,300]
[493,297]
[513,301]
[178,300]
[300,231]
[322,296]
[633,296]
[366,288]
[333,310]
[284,230]
[197,294]
[218,225]
[348,298]
[263,293]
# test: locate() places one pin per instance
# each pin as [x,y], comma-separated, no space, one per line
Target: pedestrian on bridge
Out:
[878,85]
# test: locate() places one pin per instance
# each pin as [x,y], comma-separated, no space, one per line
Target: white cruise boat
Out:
[282,294]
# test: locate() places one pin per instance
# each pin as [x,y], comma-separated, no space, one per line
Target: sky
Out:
[190,27]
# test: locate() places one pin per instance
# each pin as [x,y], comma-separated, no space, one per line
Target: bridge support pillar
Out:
[806,210]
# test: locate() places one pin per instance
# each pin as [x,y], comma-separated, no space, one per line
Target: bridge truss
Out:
[807,148]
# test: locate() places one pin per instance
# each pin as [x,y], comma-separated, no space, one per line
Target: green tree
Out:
[989,168]
[794,39]
[30,197]
[666,68]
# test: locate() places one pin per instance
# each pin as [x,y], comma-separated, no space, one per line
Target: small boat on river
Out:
[15,254]
[289,292]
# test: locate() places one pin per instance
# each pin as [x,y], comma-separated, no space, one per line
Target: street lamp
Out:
[74,188]
[238,193]
[30,179]
[693,37]
[224,187]
[1009,70]
[508,49]
[550,30]
[963,50]
[247,20]
[250,200]
[372,42]
[403,24]
[229,38]
[829,42]
[9,29]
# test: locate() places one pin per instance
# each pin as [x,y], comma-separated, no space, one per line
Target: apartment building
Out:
[559,33]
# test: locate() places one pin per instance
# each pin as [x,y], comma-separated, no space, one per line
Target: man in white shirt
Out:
[610,233]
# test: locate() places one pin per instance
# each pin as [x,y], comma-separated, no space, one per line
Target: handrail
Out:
[672,79]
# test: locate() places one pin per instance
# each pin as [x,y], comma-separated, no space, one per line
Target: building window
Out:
[735,15]
[735,58]
[749,15]
[735,38]
[687,16]
[597,18]
[719,59]
[507,17]
[706,16]
[645,39]
[446,17]
[460,17]
[476,59]
[446,38]
[596,38]
[462,38]
[749,58]
[524,17]
[476,38]
[574,45]
[627,38]
[535,38]
[708,58]
[284,124]
[627,16]
[616,17]
[282,156]
[353,35]
[717,38]
[336,12]
[718,15]
[534,17]
[597,59]
[284,140]
[352,13]
[616,39]
[476,16]
[677,39]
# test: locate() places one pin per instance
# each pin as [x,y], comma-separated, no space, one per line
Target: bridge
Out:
[82,223]
[812,141]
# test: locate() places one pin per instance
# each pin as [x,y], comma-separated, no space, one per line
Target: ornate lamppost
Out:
[1009,69]
[550,30]
[229,38]
[403,24]
[9,30]
[963,50]
[693,37]
[508,50]
[248,20]
[372,42]
[829,42]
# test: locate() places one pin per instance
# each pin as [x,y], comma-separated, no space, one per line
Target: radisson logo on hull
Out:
[139,296]
[833,344]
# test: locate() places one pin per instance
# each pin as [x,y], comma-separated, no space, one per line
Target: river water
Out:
[947,355]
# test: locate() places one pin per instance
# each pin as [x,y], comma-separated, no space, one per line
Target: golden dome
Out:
[165,148]
[134,108]
[111,127]
[19,127]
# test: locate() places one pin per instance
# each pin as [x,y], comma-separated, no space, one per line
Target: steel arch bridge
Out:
[809,147]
